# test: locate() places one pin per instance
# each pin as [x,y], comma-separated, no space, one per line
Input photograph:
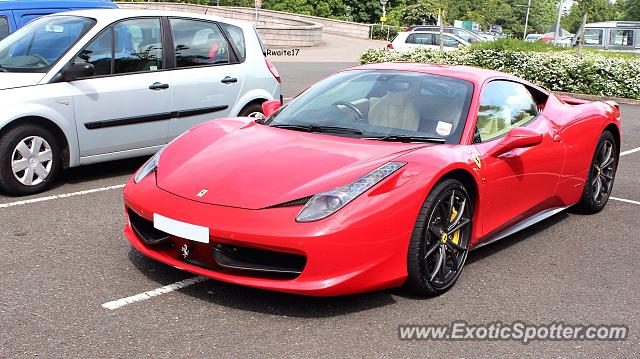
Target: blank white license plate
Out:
[181,229]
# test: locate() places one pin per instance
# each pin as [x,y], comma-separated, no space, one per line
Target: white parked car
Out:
[97,85]
[406,41]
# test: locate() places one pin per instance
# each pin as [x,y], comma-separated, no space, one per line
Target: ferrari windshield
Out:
[38,45]
[382,104]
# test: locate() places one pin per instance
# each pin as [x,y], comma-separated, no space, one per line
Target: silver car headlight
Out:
[325,204]
[150,166]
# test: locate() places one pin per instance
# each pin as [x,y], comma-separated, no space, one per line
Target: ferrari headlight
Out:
[325,204]
[150,166]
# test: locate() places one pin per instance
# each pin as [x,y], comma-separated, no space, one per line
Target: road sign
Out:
[383,18]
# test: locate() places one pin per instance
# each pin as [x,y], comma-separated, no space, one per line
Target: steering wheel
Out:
[41,60]
[359,115]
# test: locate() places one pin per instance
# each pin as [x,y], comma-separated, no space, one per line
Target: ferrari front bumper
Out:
[343,254]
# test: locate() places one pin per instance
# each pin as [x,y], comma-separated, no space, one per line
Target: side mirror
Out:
[78,71]
[270,107]
[518,137]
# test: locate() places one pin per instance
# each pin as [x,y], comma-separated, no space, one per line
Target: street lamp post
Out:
[384,11]
[557,33]
[526,21]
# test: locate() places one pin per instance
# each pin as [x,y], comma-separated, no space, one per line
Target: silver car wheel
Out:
[32,160]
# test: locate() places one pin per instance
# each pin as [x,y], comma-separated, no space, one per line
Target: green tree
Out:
[294,6]
[596,10]
[631,9]
[421,12]
[542,15]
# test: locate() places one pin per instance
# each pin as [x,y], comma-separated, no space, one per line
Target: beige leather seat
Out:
[395,110]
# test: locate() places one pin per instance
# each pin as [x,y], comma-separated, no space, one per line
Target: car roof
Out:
[54,4]
[475,75]
[613,24]
[111,15]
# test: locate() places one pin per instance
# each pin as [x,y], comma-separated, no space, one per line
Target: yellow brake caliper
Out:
[456,234]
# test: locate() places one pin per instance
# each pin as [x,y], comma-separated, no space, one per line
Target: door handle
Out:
[229,80]
[158,86]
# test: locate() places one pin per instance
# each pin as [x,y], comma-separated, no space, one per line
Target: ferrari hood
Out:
[238,163]
[9,80]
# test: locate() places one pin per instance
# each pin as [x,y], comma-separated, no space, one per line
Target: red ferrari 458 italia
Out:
[377,176]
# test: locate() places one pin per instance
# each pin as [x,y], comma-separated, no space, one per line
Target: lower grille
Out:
[258,260]
[145,230]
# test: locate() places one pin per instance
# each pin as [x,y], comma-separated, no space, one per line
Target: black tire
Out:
[425,278]
[251,109]
[601,176]
[9,152]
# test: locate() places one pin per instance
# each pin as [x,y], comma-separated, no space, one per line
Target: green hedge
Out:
[595,74]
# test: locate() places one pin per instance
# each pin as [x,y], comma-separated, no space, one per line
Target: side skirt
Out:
[541,216]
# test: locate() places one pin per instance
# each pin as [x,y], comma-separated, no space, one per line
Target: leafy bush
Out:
[537,46]
[559,70]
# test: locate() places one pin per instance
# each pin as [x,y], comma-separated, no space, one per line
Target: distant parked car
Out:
[533,37]
[562,40]
[92,86]
[466,35]
[14,14]
[430,39]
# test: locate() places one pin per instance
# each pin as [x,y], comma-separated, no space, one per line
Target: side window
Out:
[465,36]
[4,27]
[138,46]
[198,43]
[621,38]
[593,36]
[420,39]
[236,36]
[411,39]
[448,41]
[98,53]
[503,106]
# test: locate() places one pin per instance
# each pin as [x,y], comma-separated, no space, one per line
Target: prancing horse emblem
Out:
[202,193]
[475,158]
[185,251]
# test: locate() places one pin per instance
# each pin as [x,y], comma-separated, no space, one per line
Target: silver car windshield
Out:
[385,104]
[41,43]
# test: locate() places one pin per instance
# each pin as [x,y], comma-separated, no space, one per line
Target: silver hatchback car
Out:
[98,85]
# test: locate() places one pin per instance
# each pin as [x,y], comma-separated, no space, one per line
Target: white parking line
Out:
[625,200]
[153,293]
[630,151]
[64,195]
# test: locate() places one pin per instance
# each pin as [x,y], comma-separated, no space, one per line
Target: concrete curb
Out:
[620,100]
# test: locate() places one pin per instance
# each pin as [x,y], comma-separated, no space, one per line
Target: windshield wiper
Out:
[319,128]
[406,138]
[2,69]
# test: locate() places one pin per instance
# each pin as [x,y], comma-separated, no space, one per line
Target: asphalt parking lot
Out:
[63,256]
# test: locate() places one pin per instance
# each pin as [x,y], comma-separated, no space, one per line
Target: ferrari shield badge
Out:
[476,159]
